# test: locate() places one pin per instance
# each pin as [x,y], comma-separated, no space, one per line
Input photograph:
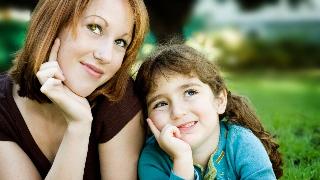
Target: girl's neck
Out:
[201,155]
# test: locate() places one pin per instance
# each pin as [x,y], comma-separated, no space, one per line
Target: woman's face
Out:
[95,54]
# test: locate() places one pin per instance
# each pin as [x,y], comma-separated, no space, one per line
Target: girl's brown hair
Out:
[185,60]
[48,19]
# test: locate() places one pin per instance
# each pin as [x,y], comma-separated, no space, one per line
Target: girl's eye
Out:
[190,92]
[160,104]
[121,43]
[95,28]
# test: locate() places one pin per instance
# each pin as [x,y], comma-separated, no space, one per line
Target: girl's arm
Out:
[119,156]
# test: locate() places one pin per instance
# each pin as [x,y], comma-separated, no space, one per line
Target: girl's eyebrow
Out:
[184,86]
[153,99]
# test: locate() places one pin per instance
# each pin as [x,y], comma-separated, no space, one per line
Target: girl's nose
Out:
[178,110]
[104,53]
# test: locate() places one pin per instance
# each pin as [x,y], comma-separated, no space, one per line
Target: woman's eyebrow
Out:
[104,20]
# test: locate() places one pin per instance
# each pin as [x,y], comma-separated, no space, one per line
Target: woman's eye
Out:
[95,28]
[190,92]
[159,104]
[121,43]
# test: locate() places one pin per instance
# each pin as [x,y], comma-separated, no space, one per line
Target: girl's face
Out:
[95,54]
[189,104]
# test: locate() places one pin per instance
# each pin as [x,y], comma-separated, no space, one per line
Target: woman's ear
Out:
[221,100]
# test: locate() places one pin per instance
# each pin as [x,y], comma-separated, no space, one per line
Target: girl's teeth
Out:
[187,125]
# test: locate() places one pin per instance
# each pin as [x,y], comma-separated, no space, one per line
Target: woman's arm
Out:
[68,163]
[119,156]
[70,158]
[15,164]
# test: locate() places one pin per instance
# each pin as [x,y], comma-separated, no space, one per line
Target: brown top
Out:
[109,119]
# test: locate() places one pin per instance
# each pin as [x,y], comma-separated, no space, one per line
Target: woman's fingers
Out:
[153,128]
[54,51]
[51,87]
[44,75]
[51,69]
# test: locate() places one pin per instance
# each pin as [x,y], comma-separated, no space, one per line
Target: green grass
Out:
[289,105]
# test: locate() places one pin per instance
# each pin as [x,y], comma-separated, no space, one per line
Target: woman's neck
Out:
[202,154]
[47,111]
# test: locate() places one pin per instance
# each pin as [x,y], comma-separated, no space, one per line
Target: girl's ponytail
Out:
[239,112]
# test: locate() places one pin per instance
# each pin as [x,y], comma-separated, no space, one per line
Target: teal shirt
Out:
[239,155]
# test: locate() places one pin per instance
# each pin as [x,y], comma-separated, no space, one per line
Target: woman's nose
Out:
[104,53]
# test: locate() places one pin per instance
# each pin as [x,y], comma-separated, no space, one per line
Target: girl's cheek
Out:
[158,120]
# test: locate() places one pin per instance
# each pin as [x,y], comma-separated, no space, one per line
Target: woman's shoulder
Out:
[111,117]
[4,84]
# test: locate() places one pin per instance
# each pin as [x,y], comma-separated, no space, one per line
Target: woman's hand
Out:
[50,76]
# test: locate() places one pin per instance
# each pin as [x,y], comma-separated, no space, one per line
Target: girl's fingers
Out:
[171,131]
[54,50]
[176,132]
[153,128]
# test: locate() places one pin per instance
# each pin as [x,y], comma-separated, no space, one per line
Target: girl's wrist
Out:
[183,167]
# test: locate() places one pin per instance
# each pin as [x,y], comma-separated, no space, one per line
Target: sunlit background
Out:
[268,51]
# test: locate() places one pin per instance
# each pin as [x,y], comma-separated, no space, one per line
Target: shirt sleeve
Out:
[154,163]
[250,157]
[4,130]
[111,117]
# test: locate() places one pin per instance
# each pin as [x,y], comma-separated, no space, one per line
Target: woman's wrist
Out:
[79,127]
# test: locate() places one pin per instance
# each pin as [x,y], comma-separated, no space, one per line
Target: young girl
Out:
[201,130]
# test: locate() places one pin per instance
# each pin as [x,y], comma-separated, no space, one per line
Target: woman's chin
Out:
[83,91]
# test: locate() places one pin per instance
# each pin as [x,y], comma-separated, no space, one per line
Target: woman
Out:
[76,53]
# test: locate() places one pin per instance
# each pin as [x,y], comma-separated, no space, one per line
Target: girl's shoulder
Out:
[246,154]
[239,133]
[241,140]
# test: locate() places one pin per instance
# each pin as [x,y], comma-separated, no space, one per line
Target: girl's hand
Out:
[50,76]
[169,140]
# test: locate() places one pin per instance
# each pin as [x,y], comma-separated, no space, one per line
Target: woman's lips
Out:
[93,70]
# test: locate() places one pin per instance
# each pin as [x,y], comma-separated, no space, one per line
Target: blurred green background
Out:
[268,51]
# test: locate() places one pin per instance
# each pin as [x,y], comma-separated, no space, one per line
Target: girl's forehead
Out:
[161,79]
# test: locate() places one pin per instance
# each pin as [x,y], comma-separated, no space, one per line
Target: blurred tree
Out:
[167,17]
[252,5]
[20,4]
